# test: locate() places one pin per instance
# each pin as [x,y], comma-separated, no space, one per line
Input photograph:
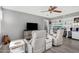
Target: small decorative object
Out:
[59,20]
[49,22]
[5,39]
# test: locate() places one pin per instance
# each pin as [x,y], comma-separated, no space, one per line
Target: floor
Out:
[69,46]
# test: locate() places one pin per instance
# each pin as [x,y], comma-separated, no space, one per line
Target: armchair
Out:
[17,46]
[58,38]
[37,43]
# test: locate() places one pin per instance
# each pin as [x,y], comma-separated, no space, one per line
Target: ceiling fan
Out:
[52,9]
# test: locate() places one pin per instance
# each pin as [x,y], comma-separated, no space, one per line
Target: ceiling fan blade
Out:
[57,11]
[53,7]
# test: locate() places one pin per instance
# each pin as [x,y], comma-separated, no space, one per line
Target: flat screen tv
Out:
[32,26]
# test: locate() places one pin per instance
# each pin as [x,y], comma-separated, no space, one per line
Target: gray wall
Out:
[0,23]
[14,23]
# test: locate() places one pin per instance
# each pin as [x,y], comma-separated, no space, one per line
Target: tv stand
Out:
[27,35]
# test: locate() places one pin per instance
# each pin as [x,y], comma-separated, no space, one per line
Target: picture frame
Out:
[76,20]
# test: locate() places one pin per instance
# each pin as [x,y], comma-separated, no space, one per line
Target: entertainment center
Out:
[29,28]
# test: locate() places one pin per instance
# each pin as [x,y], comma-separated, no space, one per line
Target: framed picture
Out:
[76,20]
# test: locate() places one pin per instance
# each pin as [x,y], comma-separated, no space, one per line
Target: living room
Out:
[14,21]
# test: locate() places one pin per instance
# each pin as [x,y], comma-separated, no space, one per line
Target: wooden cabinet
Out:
[27,34]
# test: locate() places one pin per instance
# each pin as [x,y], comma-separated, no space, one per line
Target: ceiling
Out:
[35,10]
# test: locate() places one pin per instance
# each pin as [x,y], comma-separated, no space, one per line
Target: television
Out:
[32,26]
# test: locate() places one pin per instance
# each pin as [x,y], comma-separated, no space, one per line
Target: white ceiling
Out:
[35,10]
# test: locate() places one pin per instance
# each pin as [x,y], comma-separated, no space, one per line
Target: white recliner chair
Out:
[58,38]
[17,46]
[37,43]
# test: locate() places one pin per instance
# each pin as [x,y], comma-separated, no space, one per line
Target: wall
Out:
[0,18]
[0,23]
[14,23]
